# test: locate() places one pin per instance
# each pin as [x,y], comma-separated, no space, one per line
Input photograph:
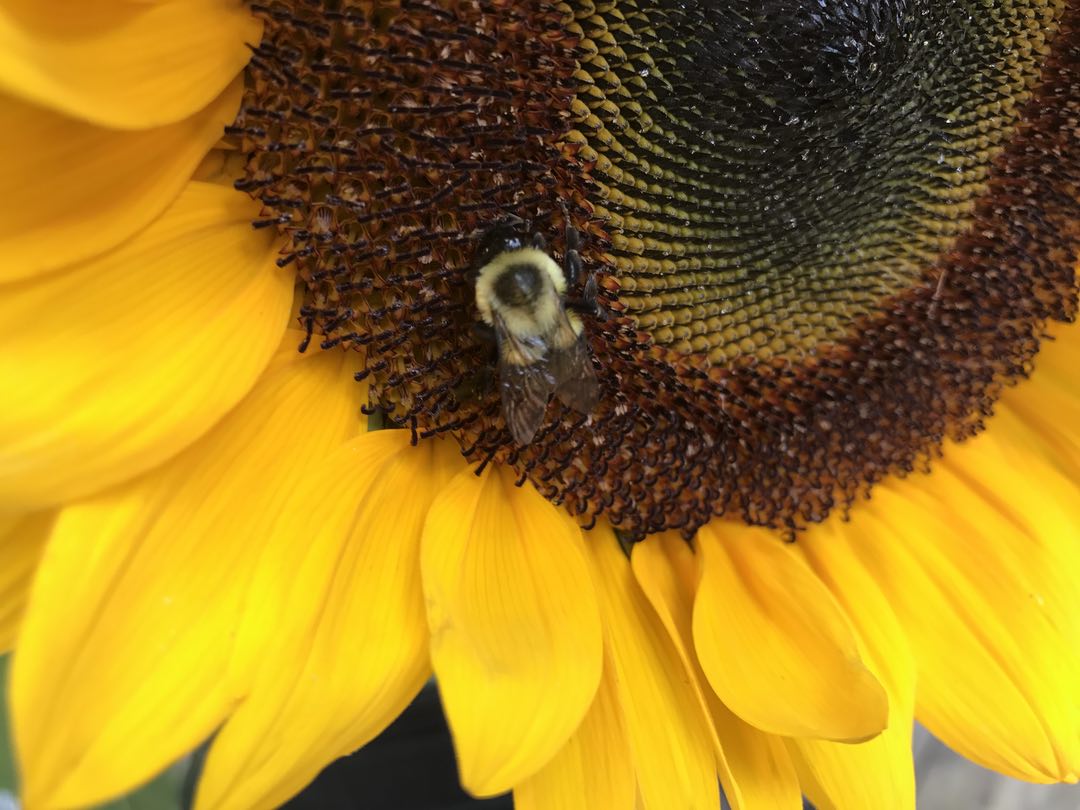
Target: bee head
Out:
[502,238]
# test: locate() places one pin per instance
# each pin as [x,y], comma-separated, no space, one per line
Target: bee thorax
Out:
[518,285]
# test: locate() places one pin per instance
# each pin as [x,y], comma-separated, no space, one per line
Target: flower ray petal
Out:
[593,769]
[516,642]
[754,768]
[669,737]
[114,365]
[350,651]
[124,65]
[127,655]
[793,640]
[879,772]
[979,562]
[1048,404]
[80,189]
[22,541]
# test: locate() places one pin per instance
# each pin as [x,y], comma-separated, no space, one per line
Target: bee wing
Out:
[525,382]
[571,366]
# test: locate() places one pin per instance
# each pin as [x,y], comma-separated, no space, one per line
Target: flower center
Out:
[823,239]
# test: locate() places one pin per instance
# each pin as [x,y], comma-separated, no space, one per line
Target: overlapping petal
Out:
[978,560]
[763,773]
[759,598]
[350,651]
[515,632]
[670,743]
[120,64]
[755,768]
[879,772]
[592,770]
[128,654]
[22,541]
[76,190]
[114,365]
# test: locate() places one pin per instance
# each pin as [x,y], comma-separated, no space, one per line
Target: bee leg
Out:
[589,302]
[539,242]
[475,385]
[573,237]
[480,382]
[572,259]
[485,334]
[571,268]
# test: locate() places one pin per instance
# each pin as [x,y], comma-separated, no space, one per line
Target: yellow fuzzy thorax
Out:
[536,319]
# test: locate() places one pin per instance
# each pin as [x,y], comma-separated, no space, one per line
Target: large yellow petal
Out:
[754,768]
[515,632]
[350,652]
[127,655]
[78,190]
[777,648]
[22,540]
[669,737]
[979,561]
[120,64]
[594,769]
[878,773]
[112,366]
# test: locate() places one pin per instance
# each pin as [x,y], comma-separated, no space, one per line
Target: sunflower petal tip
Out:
[483,784]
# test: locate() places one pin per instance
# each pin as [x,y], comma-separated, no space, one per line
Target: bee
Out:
[521,296]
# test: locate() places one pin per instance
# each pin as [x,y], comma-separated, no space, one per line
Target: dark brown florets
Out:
[826,236]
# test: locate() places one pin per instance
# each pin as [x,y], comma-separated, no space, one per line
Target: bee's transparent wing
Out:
[525,382]
[571,366]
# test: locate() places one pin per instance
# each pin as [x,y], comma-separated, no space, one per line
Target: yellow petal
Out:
[776,647]
[1051,421]
[22,539]
[764,775]
[979,562]
[78,190]
[351,650]
[127,655]
[1056,362]
[668,734]
[221,165]
[1047,406]
[754,768]
[878,773]
[594,769]
[112,366]
[515,633]
[123,65]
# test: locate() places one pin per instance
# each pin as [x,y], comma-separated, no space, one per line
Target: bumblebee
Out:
[521,297]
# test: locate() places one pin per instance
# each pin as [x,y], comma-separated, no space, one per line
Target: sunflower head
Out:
[794,249]
[821,242]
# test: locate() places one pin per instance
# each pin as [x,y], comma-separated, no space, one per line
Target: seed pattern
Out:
[824,238]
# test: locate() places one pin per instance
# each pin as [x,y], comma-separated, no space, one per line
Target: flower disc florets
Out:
[824,237]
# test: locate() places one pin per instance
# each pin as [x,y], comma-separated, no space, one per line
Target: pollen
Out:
[824,237]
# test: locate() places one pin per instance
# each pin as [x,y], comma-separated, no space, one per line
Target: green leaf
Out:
[7,756]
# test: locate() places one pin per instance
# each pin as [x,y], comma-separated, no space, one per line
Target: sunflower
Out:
[829,247]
